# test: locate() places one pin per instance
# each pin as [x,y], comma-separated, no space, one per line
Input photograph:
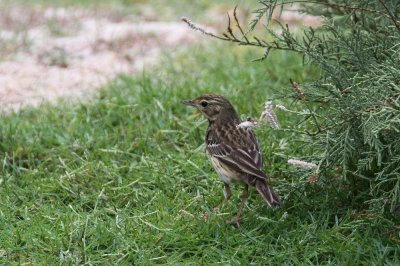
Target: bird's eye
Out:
[204,104]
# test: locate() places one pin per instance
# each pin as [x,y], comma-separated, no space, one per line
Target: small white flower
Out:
[269,116]
[284,216]
[281,107]
[302,164]
[247,124]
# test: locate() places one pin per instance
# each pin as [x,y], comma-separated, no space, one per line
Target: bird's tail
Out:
[268,194]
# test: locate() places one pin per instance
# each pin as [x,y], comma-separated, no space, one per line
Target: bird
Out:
[234,151]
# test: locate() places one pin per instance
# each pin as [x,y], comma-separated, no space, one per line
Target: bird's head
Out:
[212,106]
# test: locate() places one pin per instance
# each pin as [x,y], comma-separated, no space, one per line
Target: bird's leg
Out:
[227,196]
[244,196]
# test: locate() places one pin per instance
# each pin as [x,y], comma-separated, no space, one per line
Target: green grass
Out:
[124,179]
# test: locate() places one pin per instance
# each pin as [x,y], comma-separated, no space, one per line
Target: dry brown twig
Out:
[230,36]
[238,24]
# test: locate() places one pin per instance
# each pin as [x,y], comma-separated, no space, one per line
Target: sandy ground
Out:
[49,53]
[70,53]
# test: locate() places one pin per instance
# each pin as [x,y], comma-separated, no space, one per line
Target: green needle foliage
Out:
[353,107]
[357,97]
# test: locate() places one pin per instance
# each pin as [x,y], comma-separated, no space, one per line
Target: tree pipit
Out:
[234,151]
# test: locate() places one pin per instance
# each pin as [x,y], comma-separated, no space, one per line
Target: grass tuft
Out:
[124,179]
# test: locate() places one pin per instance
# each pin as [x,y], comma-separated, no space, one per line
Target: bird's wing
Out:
[245,159]
[255,151]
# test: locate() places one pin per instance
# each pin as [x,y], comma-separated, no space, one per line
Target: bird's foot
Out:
[235,221]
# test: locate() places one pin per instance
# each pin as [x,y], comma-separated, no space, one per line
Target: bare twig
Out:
[229,29]
[238,24]
[198,28]
[245,42]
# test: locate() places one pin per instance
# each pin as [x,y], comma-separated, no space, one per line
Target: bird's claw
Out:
[235,221]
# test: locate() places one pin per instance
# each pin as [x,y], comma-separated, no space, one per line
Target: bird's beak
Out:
[189,102]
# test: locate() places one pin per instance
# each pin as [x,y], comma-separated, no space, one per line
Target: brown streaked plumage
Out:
[234,151]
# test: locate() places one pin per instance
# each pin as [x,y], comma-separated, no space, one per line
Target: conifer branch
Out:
[392,17]
[243,41]
[388,13]
[337,6]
